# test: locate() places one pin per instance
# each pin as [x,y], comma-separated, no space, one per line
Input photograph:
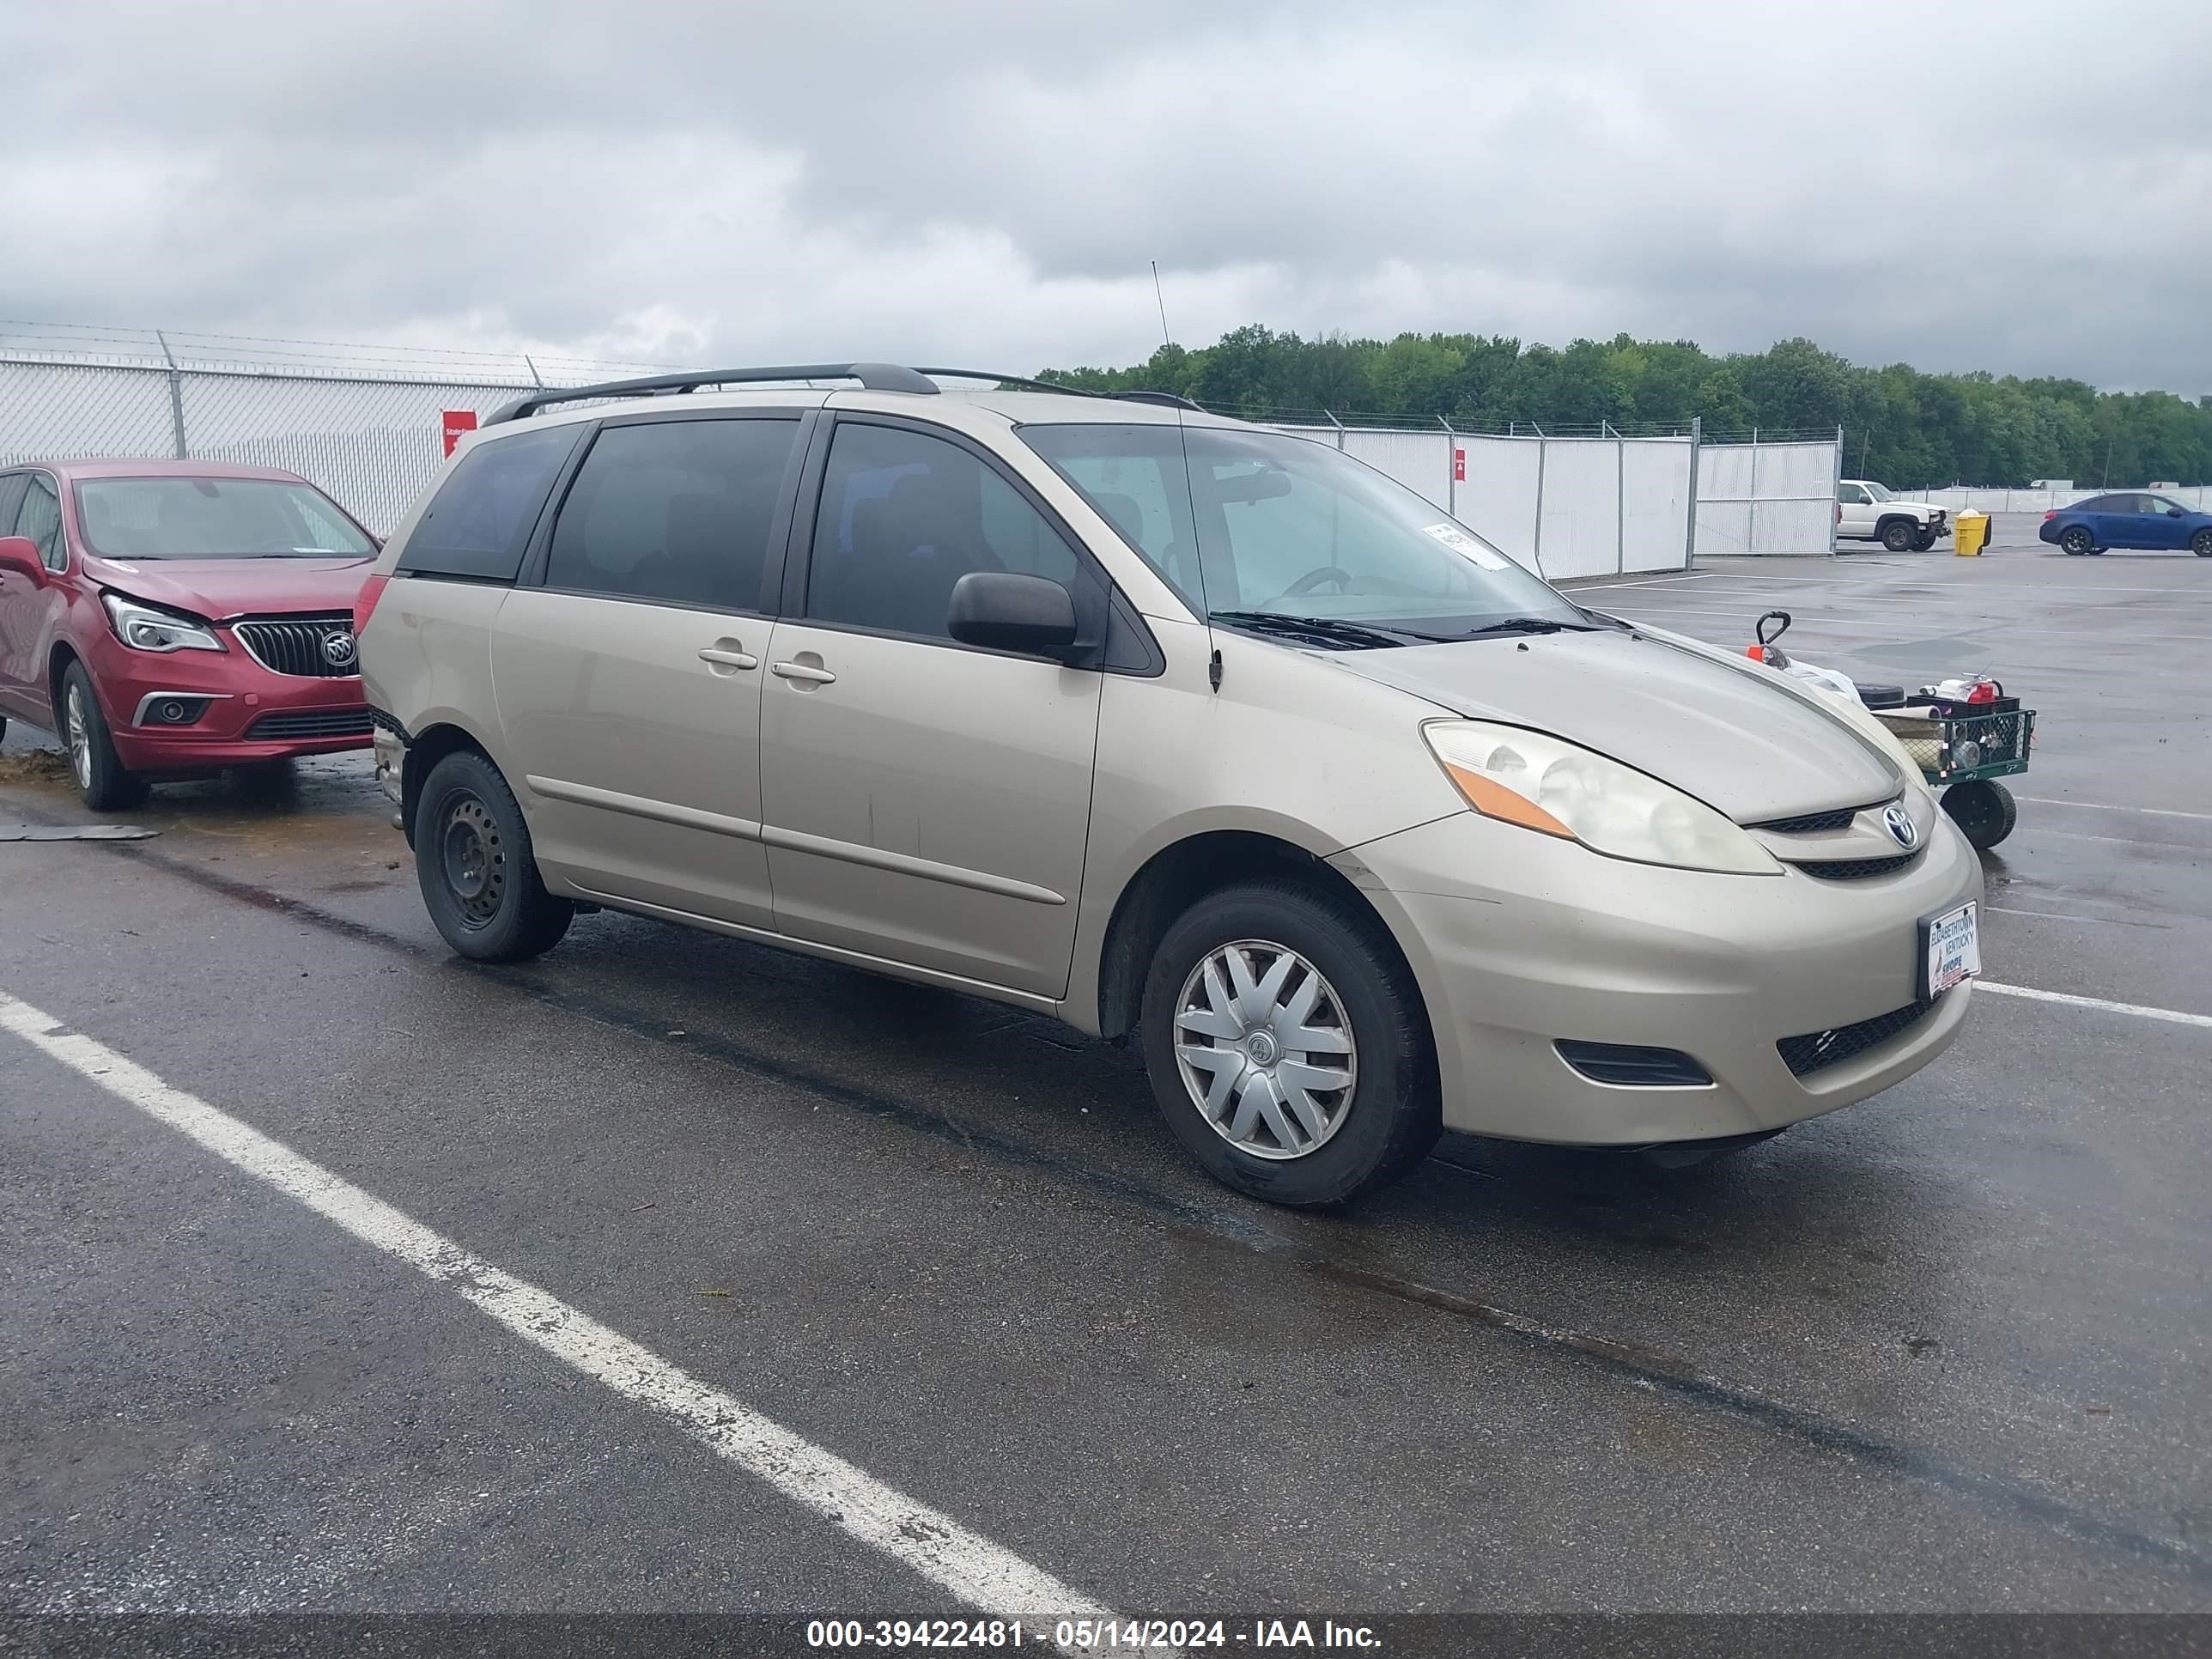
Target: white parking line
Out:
[2172,1016]
[1578,587]
[2060,916]
[964,1562]
[2111,806]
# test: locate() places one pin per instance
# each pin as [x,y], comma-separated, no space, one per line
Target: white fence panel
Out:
[1419,460]
[1723,528]
[1498,498]
[1581,534]
[1762,498]
[1655,504]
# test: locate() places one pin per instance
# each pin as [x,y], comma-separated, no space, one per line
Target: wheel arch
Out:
[59,656]
[426,749]
[1181,873]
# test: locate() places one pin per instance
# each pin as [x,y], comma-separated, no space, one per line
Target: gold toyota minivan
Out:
[1171,726]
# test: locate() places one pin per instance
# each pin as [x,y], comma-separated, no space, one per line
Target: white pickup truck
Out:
[1868,512]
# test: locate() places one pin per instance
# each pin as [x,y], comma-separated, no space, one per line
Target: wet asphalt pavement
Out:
[1949,1349]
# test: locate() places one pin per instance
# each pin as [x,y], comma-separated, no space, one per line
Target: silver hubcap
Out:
[80,739]
[1264,1050]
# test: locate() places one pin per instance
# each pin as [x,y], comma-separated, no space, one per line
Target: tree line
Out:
[1905,427]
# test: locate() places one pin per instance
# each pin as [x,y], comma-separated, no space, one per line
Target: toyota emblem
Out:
[1899,825]
[339,649]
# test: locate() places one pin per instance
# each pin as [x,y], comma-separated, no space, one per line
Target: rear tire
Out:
[1344,1005]
[1898,535]
[2077,540]
[473,861]
[1985,813]
[2201,543]
[101,778]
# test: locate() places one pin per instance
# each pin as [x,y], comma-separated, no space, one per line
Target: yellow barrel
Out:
[1970,533]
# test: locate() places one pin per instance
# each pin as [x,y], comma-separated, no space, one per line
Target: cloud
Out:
[2002,186]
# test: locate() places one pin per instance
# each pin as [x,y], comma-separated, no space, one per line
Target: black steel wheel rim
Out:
[472,858]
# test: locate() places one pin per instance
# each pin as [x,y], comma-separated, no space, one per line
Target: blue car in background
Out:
[2133,518]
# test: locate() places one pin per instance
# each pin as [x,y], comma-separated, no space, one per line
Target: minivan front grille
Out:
[1855,869]
[1817,1051]
[315,647]
[1812,823]
[311,723]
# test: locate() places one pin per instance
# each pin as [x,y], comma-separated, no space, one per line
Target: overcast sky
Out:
[2014,185]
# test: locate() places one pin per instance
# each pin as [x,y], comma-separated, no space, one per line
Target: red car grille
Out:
[302,645]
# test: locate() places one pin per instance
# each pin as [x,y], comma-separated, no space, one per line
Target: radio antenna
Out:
[1165,337]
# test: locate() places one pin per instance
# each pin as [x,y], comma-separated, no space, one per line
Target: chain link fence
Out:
[365,423]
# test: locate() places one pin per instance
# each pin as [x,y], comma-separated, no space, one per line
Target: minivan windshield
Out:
[1261,526]
[185,518]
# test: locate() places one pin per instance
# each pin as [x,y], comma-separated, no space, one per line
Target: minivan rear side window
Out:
[673,511]
[478,524]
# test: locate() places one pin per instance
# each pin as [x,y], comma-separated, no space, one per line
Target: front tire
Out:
[101,778]
[1924,542]
[1898,535]
[1288,1047]
[473,861]
[1985,813]
[2077,540]
[2201,543]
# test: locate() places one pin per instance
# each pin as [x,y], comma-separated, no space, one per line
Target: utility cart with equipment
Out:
[1964,734]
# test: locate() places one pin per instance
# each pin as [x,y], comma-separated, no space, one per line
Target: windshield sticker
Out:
[1460,543]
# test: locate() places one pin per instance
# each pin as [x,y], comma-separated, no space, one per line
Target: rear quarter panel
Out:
[426,657]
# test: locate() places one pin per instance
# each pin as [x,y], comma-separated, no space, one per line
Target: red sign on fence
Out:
[1459,462]
[458,421]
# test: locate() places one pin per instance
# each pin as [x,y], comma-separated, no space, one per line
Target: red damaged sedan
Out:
[176,618]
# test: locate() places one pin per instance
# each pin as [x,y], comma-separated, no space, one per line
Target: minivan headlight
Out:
[1557,788]
[144,628]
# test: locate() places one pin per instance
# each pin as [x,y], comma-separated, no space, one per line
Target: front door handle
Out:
[799,670]
[723,658]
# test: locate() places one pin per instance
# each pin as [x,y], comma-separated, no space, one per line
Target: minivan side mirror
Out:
[1007,611]
[19,556]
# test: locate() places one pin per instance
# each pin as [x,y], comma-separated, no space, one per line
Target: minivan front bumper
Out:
[1726,970]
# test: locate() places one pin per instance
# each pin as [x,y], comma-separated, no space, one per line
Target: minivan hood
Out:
[1741,739]
[219,589]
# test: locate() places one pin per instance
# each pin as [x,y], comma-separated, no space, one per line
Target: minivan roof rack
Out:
[1169,399]
[874,377]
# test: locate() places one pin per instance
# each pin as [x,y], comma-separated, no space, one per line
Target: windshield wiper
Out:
[1529,625]
[1331,629]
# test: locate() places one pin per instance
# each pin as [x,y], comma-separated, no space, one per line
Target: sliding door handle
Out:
[806,673]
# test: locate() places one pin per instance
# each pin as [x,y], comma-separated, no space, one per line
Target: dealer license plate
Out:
[1950,949]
